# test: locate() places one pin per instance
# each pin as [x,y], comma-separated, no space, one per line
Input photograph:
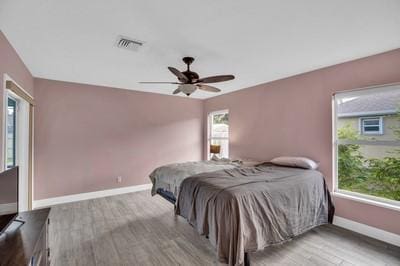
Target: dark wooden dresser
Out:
[27,245]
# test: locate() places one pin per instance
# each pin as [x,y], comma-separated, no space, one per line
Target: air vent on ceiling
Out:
[128,43]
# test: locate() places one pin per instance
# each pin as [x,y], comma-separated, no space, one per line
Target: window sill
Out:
[387,204]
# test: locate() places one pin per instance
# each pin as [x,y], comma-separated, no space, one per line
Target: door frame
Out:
[13,88]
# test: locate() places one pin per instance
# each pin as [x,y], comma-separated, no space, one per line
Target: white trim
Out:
[365,90]
[335,166]
[371,113]
[219,112]
[33,158]
[7,77]
[4,124]
[367,199]
[367,230]
[89,195]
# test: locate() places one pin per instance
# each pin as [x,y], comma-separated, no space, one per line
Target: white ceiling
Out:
[257,41]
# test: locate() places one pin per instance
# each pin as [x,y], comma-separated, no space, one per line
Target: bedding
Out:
[169,177]
[301,162]
[247,209]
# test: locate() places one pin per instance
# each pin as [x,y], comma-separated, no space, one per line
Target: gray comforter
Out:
[247,209]
[169,177]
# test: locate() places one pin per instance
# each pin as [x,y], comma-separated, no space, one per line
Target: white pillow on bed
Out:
[301,162]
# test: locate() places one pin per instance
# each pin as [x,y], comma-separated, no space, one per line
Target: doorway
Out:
[17,142]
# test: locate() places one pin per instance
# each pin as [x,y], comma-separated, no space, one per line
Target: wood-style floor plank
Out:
[137,229]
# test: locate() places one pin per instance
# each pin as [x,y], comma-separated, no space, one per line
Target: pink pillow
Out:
[301,162]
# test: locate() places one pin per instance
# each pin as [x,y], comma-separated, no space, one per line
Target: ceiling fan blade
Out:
[215,79]
[208,88]
[158,82]
[179,74]
[176,91]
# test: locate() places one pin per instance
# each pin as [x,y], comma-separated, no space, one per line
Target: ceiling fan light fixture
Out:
[190,81]
[187,88]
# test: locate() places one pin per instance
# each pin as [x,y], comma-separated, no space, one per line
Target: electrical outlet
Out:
[119,179]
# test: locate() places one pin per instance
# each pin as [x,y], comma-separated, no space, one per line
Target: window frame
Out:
[209,133]
[369,118]
[11,97]
[346,194]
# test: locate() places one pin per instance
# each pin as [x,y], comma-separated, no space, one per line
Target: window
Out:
[17,138]
[218,133]
[371,125]
[11,133]
[367,157]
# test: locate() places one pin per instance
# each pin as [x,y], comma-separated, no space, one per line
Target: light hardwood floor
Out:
[137,229]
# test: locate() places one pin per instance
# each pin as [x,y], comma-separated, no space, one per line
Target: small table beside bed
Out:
[243,209]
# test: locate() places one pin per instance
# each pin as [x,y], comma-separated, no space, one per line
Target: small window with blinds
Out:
[371,125]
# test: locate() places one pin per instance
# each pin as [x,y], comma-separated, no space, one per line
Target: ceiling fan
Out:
[190,81]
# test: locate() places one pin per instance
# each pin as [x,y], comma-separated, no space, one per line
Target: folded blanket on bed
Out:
[248,209]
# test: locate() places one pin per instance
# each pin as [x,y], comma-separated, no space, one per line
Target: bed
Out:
[245,209]
[166,179]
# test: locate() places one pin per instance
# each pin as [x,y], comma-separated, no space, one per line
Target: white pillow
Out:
[301,162]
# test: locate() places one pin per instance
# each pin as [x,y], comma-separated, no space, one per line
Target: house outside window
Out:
[367,145]
[371,125]
[218,133]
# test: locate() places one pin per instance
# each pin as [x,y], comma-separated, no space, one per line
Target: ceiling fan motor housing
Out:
[192,76]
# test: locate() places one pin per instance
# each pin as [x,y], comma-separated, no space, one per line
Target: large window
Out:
[218,134]
[367,144]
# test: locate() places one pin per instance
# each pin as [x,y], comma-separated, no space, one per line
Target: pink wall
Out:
[12,65]
[292,116]
[86,136]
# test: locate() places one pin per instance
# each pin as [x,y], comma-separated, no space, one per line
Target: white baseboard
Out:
[367,230]
[89,195]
